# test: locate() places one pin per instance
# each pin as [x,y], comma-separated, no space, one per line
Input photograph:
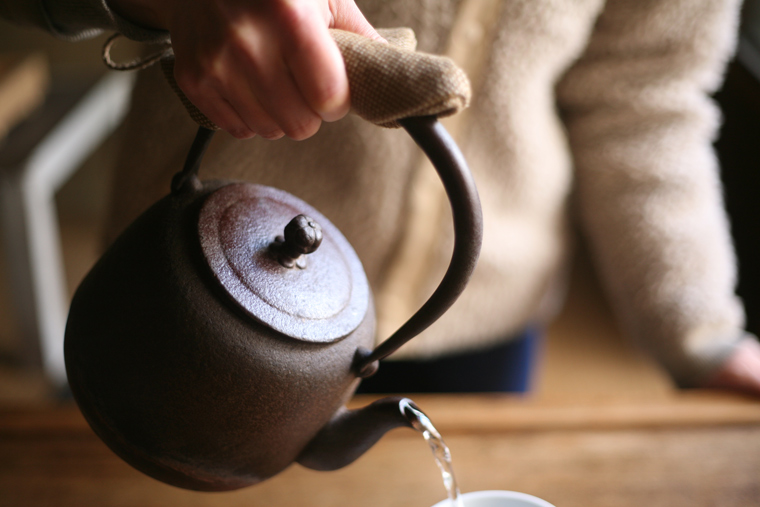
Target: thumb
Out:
[347,16]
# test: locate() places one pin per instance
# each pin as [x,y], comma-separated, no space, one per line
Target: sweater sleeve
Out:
[75,19]
[641,126]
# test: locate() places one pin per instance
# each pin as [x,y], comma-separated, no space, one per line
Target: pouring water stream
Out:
[441,452]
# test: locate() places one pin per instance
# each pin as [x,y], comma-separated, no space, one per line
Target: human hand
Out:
[741,372]
[257,67]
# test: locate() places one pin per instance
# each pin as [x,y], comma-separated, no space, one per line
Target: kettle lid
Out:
[320,296]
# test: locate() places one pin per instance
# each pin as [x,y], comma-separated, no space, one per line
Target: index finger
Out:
[314,60]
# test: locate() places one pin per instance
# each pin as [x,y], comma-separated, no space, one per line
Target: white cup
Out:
[498,499]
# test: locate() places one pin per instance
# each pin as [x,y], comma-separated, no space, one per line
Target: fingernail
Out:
[273,136]
[334,109]
[242,133]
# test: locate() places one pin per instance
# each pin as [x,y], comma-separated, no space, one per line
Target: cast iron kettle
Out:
[218,339]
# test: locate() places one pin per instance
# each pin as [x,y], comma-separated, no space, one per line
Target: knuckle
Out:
[293,13]
[197,79]
[240,36]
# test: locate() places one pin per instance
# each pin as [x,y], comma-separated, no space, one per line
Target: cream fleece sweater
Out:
[587,112]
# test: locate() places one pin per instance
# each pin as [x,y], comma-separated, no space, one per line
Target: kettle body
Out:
[180,382]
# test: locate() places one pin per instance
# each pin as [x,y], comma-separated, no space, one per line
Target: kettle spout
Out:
[350,433]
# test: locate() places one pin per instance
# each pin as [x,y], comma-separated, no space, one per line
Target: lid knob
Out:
[302,236]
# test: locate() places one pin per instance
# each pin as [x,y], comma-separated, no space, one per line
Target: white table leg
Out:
[30,220]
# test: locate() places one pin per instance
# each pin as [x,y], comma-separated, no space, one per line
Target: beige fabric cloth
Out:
[590,111]
[392,81]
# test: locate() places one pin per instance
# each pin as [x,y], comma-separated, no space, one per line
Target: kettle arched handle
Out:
[460,188]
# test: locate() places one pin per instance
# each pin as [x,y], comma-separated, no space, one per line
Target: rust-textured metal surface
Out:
[324,301]
[182,384]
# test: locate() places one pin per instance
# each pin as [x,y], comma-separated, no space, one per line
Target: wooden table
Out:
[689,449]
